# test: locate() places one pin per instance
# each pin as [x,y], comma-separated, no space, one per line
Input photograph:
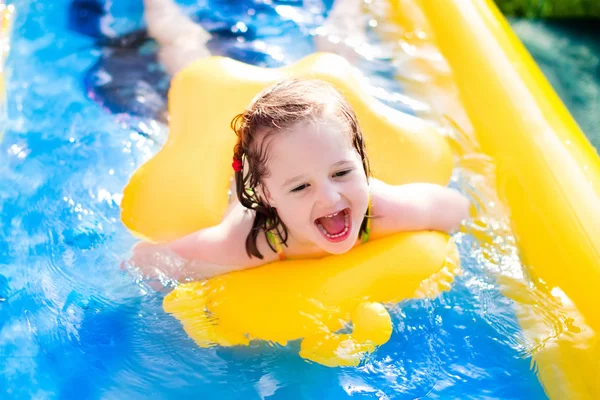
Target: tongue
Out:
[333,225]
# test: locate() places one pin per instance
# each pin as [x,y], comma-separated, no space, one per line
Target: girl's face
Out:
[317,183]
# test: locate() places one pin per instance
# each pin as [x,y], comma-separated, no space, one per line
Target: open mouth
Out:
[335,227]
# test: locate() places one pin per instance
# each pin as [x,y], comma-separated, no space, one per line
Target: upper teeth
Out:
[346,226]
[332,215]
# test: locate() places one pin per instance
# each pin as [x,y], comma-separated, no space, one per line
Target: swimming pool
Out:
[74,325]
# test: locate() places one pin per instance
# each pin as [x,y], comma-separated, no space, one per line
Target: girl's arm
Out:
[416,206]
[205,253]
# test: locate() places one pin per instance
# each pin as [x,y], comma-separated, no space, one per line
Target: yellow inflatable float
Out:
[546,172]
[184,189]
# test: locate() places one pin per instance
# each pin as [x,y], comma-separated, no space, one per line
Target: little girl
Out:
[304,189]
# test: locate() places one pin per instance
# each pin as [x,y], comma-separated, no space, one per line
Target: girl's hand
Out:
[156,262]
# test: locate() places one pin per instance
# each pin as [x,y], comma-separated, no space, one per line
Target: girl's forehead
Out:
[312,136]
[306,147]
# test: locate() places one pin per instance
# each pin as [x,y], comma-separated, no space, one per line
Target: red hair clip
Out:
[237,164]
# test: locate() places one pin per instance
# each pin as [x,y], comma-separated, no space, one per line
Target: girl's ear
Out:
[264,194]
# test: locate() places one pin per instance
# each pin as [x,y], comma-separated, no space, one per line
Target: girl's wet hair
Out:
[276,108]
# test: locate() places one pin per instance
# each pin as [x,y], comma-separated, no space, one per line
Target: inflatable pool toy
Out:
[184,188]
[547,173]
[312,300]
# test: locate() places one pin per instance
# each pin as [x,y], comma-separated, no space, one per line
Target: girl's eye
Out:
[299,188]
[342,173]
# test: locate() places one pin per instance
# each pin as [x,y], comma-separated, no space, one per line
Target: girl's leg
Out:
[181,40]
[343,30]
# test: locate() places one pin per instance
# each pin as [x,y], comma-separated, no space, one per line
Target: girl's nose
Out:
[328,196]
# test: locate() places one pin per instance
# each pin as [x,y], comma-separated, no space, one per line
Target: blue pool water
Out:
[74,325]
